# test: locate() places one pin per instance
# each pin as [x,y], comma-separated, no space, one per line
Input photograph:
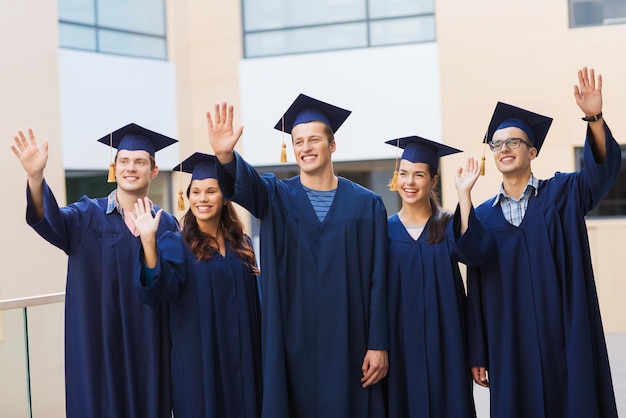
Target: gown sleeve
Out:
[247,188]
[169,274]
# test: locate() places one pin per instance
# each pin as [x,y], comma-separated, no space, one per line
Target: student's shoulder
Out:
[358,190]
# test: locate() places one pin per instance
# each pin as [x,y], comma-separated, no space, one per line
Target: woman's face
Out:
[206,200]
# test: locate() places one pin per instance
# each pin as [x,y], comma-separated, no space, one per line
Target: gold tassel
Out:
[482,159]
[181,201]
[393,183]
[283,150]
[111,176]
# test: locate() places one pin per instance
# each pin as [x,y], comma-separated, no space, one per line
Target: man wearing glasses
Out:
[535,332]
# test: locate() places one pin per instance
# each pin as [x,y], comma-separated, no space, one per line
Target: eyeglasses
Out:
[511,143]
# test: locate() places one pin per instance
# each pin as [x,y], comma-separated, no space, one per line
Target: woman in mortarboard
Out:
[428,365]
[208,273]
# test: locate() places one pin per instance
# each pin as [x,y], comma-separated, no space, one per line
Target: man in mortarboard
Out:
[116,348]
[429,374]
[323,270]
[535,332]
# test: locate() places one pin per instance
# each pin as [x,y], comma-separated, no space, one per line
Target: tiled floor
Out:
[616,345]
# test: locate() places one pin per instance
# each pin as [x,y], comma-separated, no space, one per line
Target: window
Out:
[279,27]
[596,12]
[614,203]
[124,27]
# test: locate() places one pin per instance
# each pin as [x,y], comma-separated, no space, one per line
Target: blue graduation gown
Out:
[324,294]
[534,320]
[428,364]
[215,327]
[116,348]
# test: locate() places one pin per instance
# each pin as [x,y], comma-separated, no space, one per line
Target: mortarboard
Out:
[133,137]
[535,126]
[200,166]
[419,150]
[307,109]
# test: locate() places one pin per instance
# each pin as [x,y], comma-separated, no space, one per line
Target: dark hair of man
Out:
[329,133]
[204,246]
[439,218]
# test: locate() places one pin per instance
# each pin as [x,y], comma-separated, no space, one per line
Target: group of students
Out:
[349,313]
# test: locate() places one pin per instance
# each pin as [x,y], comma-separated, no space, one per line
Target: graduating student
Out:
[116,348]
[207,272]
[429,372]
[534,320]
[323,262]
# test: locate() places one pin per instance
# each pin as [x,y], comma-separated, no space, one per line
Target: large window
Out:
[596,12]
[279,27]
[614,203]
[124,27]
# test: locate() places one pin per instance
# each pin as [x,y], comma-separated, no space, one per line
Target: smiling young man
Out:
[116,348]
[323,270]
[534,319]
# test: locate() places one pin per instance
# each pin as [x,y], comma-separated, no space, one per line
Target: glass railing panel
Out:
[14,395]
[46,353]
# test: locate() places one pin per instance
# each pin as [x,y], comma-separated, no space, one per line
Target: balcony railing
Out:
[31,356]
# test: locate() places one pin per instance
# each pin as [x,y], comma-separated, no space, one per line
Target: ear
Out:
[533,153]
[155,172]
[332,146]
[434,181]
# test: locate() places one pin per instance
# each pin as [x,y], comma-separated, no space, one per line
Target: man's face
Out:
[513,161]
[311,147]
[134,171]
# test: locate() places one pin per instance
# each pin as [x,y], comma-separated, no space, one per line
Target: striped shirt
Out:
[321,201]
[514,210]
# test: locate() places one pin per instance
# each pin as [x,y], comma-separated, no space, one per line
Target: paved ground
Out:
[616,344]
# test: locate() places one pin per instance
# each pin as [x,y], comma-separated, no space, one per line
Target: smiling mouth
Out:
[308,158]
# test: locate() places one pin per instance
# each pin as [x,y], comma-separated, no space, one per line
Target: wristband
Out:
[592,118]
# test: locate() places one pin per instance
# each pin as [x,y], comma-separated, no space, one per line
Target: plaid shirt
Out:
[514,210]
[112,203]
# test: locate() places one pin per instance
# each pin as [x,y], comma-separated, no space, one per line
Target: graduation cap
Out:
[200,166]
[307,109]
[133,137]
[534,125]
[419,150]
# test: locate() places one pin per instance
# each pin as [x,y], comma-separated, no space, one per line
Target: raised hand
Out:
[466,176]
[222,137]
[32,158]
[145,224]
[588,92]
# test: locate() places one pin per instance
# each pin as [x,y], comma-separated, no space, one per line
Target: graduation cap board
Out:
[133,137]
[535,126]
[307,109]
[419,150]
[201,166]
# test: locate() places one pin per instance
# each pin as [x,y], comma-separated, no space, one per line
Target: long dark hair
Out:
[439,218]
[204,246]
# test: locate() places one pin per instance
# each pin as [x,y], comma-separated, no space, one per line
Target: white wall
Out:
[100,93]
[392,92]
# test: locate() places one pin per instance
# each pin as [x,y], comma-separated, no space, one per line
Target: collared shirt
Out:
[514,210]
[112,203]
